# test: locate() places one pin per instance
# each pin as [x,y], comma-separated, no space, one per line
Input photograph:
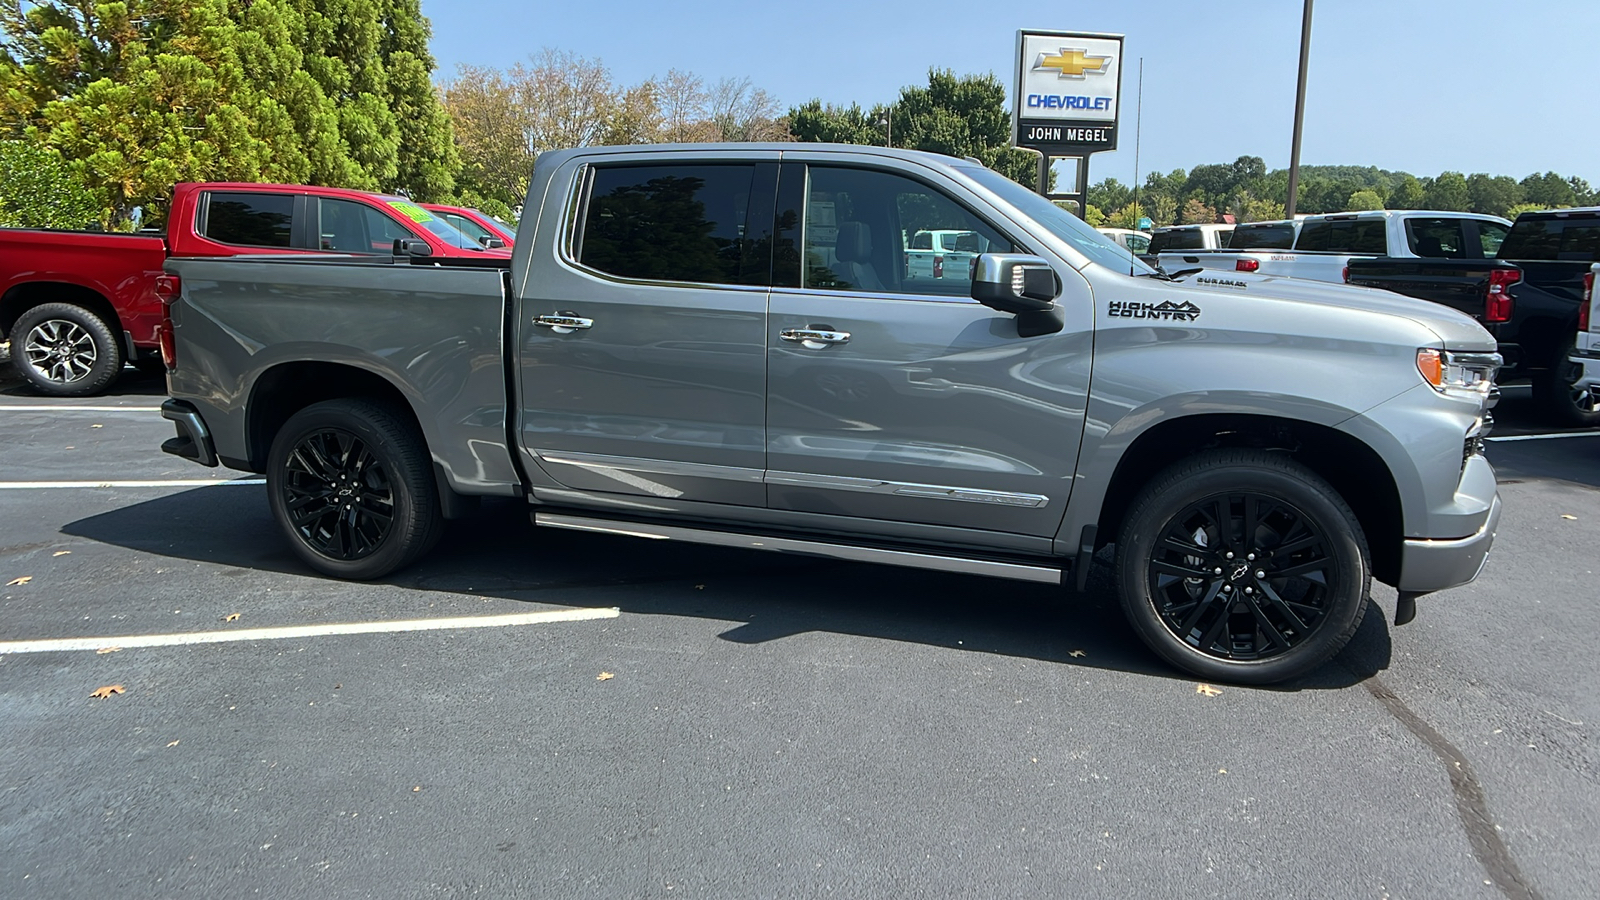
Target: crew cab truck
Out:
[1320,247]
[1526,291]
[679,351]
[77,305]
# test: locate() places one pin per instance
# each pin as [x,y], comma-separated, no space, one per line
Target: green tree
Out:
[1447,192]
[1126,217]
[1521,208]
[1493,194]
[1550,190]
[1196,211]
[1366,198]
[1407,193]
[38,190]
[1260,210]
[835,124]
[1110,194]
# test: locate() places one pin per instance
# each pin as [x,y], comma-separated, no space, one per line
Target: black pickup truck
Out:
[1526,292]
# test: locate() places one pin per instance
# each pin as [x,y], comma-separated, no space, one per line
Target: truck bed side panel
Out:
[435,334]
[120,267]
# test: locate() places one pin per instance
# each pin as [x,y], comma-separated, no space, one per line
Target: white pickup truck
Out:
[1324,245]
[1586,349]
[1189,237]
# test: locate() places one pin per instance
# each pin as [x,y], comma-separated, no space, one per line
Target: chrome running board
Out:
[915,560]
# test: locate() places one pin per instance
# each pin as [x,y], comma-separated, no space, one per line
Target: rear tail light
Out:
[1246,265]
[1497,297]
[938,267]
[1588,301]
[167,289]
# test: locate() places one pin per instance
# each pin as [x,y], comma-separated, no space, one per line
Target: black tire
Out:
[1253,610]
[65,350]
[351,485]
[1562,402]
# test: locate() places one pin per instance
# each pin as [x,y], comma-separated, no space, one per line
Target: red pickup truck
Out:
[76,306]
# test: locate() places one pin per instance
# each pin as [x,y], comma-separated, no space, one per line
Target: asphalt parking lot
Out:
[730,724]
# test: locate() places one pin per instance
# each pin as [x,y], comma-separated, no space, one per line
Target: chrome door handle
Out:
[564,322]
[814,338]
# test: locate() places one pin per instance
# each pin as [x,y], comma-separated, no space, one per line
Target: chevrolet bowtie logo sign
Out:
[1072,63]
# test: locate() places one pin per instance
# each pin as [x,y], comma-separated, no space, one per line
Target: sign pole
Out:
[1299,114]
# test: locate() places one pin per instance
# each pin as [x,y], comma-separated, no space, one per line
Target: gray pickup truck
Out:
[721,344]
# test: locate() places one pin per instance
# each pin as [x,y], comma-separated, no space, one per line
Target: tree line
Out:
[1247,191]
[105,104]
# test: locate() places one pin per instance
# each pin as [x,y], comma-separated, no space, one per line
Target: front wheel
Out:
[1243,566]
[65,350]
[352,487]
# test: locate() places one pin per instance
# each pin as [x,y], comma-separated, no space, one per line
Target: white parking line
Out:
[137,409]
[174,482]
[304,631]
[1545,437]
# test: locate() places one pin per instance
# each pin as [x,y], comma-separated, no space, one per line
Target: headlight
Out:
[1460,374]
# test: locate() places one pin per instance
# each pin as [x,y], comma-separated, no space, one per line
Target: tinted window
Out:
[1491,235]
[1138,243]
[857,225]
[922,240]
[1553,238]
[1436,238]
[1178,239]
[1263,235]
[468,227]
[254,220]
[668,222]
[1365,236]
[351,227]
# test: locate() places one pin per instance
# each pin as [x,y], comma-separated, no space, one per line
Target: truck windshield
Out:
[1060,223]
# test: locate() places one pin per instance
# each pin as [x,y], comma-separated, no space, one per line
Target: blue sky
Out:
[1421,85]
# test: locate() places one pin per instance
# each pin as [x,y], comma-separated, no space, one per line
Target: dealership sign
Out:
[1067,90]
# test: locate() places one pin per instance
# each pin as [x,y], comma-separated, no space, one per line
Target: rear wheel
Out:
[352,487]
[1241,565]
[65,350]
[1564,402]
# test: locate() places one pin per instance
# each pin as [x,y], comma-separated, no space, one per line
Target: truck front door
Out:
[900,398]
[642,339]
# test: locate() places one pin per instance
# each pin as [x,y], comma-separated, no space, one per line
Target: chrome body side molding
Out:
[907,489]
[912,559]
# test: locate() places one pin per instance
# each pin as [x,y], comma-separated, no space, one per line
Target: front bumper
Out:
[1433,565]
[194,439]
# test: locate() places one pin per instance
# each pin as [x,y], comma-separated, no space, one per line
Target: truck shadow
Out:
[497,553]
[132,383]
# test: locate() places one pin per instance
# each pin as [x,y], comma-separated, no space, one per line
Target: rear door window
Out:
[1491,235]
[1363,236]
[1554,238]
[1436,238]
[249,219]
[670,222]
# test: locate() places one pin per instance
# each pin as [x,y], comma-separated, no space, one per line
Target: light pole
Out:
[886,120]
[1299,113]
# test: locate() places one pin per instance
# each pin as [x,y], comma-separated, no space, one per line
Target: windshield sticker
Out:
[411,211]
[1166,309]
[1223,282]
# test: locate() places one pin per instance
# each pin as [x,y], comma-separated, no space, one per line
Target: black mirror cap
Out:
[411,247]
[1014,283]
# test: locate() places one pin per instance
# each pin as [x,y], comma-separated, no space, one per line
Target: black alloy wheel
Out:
[352,486]
[1242,576]
[1242,565]
[338,495]
[1567,404]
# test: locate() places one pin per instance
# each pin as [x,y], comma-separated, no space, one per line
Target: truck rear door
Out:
[642,334]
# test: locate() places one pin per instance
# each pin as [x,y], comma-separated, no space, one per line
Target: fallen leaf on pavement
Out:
[417,788]
[699,587]
[230,617]
[1077,654]
[1222,771]
[104,692]
[1206,689]
[104,650]
[173,744]
[604,676]
[1565,516]
[96,426]
[61,553]
[22,580]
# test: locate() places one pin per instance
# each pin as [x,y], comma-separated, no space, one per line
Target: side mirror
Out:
[411,247]
[493,243]
[1022,285]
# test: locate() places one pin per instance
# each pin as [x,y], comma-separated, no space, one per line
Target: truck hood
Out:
[1455,330]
